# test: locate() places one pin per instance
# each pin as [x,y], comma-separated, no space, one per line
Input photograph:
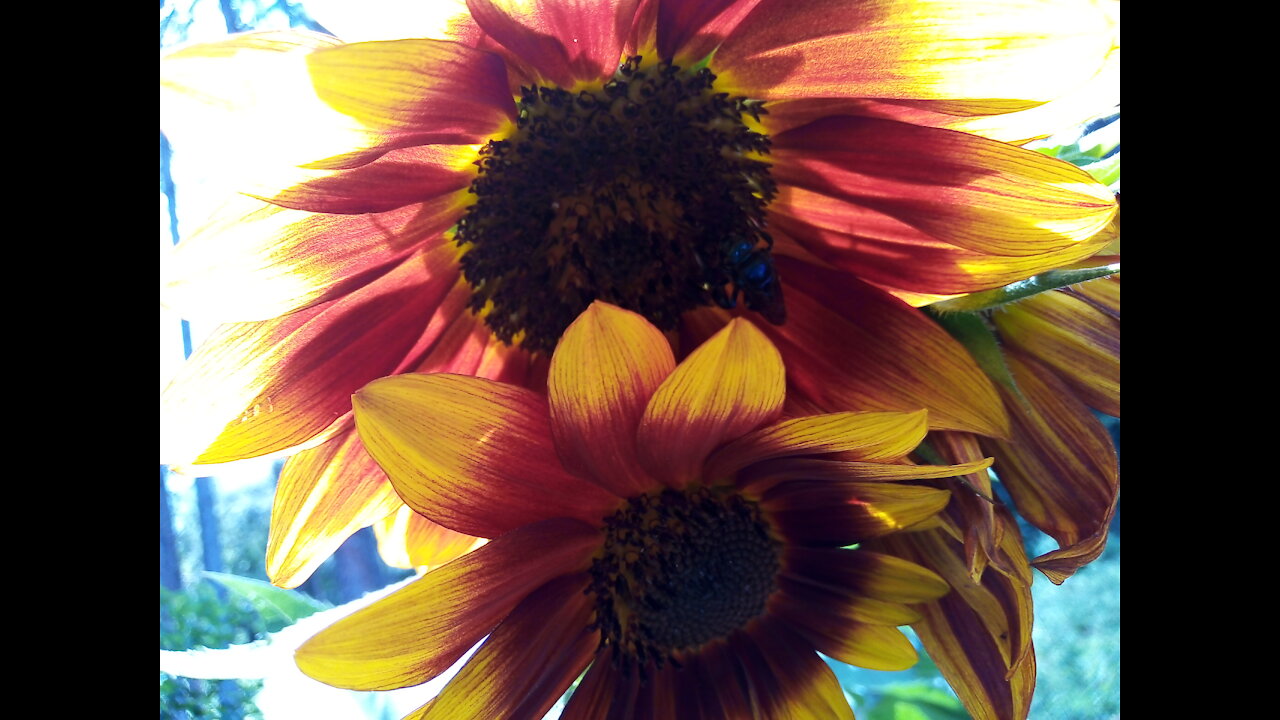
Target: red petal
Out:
[398,178]
[849,346]
[886,251]
[566,40]
[979,194]
[256,388]
[282,260]
[603,692]
[715,681]
[689,31]
[799,683]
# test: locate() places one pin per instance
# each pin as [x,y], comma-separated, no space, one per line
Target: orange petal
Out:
[398,178]
[604,371]
[978,194]
[529,660]
[282,260]
[1103,294]
[849,346]
[841,605]
[823,619]
[408,540]
[417,632]
[566,40]
[882,436]
[729,386]
[870,574]
[323,496]
[980,634]
[832,513]
[886,251]
[257,388]
[1080,342]
[1030,51]
[982,529]
[473,455]
[1059,467]
[789,678]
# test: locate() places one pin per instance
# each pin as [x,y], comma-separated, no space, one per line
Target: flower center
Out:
[644,192]
[679,569]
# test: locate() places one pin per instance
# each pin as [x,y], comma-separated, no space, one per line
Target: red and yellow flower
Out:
[663,527]
[367,163]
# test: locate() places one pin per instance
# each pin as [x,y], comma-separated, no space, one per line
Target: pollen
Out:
[647,191]
[679,569]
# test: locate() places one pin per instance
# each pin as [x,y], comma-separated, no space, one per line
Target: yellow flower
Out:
[660,526]
[416,204]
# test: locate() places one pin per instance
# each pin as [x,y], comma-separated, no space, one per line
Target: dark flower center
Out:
[679,569]
[646,193]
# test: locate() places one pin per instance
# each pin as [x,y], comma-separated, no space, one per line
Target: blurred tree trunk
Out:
[210,533]
[170,571]
[359,568]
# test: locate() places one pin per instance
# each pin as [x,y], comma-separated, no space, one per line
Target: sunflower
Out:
[1059,465]
[662,527]
[449,204]
[1060,353]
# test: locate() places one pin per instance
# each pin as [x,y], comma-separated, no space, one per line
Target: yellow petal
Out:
[867,436]
[408,540]
[1079,341]
[323,496]
[471,454]
[420,630]
[731,385]
[603,373]
[1031,51]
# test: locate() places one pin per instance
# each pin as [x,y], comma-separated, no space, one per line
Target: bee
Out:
[748,272]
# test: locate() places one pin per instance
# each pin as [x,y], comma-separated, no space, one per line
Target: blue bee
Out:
[751,273]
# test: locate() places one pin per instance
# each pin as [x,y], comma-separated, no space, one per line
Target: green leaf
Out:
[980,340]
[1097,152]
[1034,285]
[269,600]
[1105,171]
[917,701]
